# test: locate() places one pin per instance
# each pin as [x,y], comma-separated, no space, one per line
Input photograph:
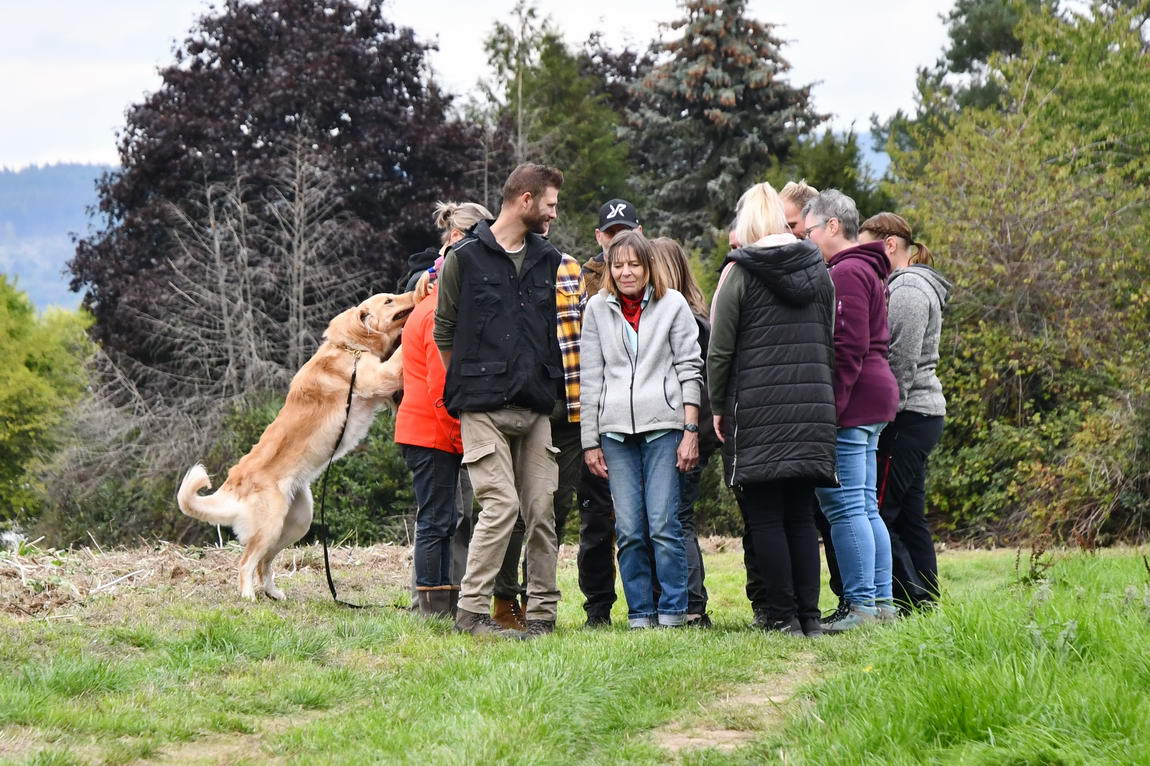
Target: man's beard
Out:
[537,223]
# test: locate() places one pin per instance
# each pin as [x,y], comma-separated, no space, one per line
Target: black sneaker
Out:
[761,619]
[598,621]
[841,611]
[812,627]
[789,627]
[536,628]
[702,621]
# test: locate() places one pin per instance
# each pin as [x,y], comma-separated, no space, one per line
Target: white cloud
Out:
[70,68]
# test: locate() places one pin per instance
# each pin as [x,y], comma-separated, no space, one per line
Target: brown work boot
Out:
[482,625]
[508,614]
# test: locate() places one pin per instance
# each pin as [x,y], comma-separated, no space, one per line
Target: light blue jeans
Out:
[645,491]
[860,537]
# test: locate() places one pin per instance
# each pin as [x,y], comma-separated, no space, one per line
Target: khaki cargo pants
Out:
[511,462]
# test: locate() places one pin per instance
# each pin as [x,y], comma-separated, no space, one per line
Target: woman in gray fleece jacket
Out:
[918,296]
[640,382]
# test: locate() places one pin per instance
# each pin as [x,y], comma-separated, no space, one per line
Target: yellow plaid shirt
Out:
[570,300]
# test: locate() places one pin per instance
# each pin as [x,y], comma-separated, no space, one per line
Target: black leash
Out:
[323,497]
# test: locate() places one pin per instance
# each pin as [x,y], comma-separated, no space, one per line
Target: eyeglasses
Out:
[817,225]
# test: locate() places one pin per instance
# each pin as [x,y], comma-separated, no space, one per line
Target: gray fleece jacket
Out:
[918,296]
[629,392]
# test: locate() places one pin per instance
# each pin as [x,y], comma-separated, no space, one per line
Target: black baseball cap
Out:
[618,212]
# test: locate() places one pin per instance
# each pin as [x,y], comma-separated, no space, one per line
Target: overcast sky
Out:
[69,68]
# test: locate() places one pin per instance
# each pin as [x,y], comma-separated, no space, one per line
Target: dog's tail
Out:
[209,508]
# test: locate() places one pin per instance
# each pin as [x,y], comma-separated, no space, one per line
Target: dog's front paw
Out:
[275,593]
[248,594]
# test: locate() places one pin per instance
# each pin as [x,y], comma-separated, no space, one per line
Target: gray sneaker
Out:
[482,625]
[856,617]
[888,613]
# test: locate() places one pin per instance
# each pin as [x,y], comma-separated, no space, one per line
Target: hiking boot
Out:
[699,621]
[508,614]
[482,625]
[841,611]
[856,617]
[438,601]
[789,627]
[537,628]
[598,621]
[812,627]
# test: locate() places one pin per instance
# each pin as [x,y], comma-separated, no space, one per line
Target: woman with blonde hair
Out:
[640,379]
[917,298]
[453,219]
[770,372]
[672,259]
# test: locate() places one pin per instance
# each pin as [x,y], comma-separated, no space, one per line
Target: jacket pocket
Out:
[489,289]
[672,390]
[475,369]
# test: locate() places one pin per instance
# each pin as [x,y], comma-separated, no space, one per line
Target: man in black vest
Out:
[495,327]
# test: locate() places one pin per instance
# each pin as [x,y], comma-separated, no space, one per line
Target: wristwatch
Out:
[691,428]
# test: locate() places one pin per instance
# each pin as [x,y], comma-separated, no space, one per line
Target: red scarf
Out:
[632,309]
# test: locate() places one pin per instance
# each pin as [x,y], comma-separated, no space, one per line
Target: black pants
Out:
[565,436]
[824,528]
[696,572]
[596,544]
[780,520]
[903,452]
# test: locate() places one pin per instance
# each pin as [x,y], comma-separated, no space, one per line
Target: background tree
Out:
[550,108]
[249,83]
[977,30]
[252,286]
[835,161]
[715,113]
[41,377]
[1040,212]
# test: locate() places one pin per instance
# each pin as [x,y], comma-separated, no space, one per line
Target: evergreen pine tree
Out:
[714,115]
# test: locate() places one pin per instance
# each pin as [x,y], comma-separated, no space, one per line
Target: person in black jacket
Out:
[770,373]
[453,219]
[669,255]
[495,326]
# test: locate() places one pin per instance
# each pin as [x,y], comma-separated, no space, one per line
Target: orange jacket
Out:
[422,420]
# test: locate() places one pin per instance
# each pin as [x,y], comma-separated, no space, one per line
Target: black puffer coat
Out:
[781,399]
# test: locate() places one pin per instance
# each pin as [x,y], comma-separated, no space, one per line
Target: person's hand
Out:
[688,454]
[595,462]
[718,420]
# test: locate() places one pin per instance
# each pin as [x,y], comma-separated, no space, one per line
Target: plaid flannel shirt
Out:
[570,300]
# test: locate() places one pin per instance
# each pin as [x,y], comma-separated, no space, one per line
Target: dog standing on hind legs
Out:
[266,499]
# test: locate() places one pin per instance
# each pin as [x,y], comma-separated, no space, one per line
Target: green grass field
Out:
[1054,670]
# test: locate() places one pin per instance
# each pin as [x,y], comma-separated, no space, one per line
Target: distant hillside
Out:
[39,208]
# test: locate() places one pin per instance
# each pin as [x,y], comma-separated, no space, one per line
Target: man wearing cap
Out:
[596,512]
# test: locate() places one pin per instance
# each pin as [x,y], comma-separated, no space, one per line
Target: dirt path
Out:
[740,713]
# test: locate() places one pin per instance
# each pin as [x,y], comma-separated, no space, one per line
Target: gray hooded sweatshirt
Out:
[918,296]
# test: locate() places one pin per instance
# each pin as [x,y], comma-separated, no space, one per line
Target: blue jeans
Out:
[860,537]
[645,491]
[435,478]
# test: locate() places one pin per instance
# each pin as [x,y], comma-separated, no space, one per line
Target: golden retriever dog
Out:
[266,499]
